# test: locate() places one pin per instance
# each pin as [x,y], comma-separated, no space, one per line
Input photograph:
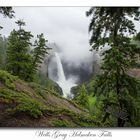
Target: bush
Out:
[30,107]
[24,103]
[61,123]
[82,98]
[7,79]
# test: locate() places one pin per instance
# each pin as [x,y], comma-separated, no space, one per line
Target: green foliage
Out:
[24,103]
[108,27]
[61,123]
[30,106]
[31,99]
[20,23]
[81,120]
[7,79]
[136,41]
[85,121]
[137,37]
[82,98]
[19,61]
[3,49]
[91,103]
[7,12]
[107,20]
[44,81]
[39,51]
[19,102]
[85,96]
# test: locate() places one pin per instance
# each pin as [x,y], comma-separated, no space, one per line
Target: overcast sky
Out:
[66,26]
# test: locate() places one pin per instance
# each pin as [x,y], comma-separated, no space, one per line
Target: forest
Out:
[110,97]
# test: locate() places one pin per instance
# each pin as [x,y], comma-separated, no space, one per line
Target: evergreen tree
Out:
[39,51]
[110,27]
[3,48]
[82,98]
[19,60]
[7,12]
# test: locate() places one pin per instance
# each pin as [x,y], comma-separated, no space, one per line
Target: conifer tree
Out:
[39,51]
[111,27]
[7,12]
[19,61]
[3,48]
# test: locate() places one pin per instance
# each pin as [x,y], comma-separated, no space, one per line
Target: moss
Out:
[84,121]
[36,109]
[43,80]
[80,119]
[7,94]
[78,106]
[24,103]
[35,104]
[30,107]
[61,123]
[7,79]
[6,101]
[40,89]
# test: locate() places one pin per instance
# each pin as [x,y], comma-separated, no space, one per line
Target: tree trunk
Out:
[121,122]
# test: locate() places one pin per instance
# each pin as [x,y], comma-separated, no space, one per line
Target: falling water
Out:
[60,71]
[66,85]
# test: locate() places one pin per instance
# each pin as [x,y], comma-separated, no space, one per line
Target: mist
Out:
[67,27]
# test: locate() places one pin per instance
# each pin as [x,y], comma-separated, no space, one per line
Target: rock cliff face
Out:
[82,71]
[31,105]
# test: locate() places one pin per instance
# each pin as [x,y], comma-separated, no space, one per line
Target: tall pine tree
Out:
[3,48]
[40,51]
[19,61]
[6,12]
[111,27]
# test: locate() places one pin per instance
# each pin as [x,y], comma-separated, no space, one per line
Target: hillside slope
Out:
[30,105]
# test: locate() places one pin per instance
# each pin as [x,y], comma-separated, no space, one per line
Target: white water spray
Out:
[66,85]
[60,71]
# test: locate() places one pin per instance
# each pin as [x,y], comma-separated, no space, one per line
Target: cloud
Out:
[66,26]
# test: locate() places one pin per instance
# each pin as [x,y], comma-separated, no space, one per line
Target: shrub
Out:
[61,123]
[7,79]
[24,103]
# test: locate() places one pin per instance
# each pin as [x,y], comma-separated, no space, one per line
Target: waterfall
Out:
[60,70]
[65,84]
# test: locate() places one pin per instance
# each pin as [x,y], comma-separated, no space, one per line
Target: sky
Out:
[66,26]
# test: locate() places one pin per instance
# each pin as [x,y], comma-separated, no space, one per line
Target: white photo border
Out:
[32,134]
